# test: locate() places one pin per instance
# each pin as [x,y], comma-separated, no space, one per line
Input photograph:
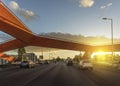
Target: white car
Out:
[85,64]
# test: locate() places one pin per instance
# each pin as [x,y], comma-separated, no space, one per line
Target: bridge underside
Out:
[11,25]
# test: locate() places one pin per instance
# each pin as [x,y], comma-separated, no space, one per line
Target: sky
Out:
[77,17]
[68,16]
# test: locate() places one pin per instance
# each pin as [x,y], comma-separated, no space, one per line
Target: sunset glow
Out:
[100,53]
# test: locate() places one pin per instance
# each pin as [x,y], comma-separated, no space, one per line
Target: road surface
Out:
[59,75]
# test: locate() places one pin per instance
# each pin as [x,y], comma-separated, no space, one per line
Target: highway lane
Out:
[59,75]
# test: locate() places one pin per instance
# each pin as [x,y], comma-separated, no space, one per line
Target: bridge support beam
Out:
[87,55]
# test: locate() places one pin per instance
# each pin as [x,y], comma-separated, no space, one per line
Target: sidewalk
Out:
[8,67]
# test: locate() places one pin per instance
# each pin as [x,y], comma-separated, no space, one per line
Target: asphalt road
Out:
[60,75]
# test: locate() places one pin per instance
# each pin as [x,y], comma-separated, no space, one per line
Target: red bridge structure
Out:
[24,37]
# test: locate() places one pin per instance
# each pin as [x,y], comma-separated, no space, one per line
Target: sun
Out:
[99,53]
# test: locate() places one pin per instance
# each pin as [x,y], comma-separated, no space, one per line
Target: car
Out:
[69,63]
[27,64]
[16,63]
[46,62]
[41,62]
[85,64]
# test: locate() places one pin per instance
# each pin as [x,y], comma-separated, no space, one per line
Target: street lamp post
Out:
[111,35]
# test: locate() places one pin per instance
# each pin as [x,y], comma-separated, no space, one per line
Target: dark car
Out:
[69,63]
[46,62]
[27,64]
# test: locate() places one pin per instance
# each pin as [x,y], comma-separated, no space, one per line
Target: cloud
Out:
[106,6]
[26,14]
[103,7]
[86,3]
[14,5]
[109,4]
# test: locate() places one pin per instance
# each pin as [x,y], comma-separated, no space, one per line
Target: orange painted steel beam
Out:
[11,25]
[7,15]
[11,45]
[54,43]
[16,32]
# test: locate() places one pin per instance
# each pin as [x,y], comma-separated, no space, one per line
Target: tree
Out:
[77,58]
[58,58]
[21,51]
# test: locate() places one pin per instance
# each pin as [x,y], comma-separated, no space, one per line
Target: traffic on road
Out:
[60,74]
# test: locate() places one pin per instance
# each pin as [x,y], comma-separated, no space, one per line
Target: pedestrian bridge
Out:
[24,37]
